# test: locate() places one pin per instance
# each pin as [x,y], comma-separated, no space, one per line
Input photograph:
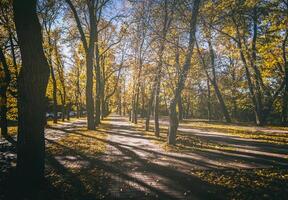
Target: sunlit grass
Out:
[248,184]
[59,121]
[189,142]
[79,178]
[184,142]
[261,134]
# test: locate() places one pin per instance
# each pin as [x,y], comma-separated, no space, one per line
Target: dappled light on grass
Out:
[248,184]
[184,142]
[71,164]
[275,135]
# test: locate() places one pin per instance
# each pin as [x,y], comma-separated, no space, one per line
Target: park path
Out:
[145,171]
[138,168]
[142,170]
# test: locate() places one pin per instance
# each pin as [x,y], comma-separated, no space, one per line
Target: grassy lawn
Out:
[72,171]
[249,183]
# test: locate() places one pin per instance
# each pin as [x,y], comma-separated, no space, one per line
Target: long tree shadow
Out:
[128,168]
[176,177]
[209,154]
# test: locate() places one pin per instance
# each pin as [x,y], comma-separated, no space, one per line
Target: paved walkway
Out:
[139,169]
[145,169]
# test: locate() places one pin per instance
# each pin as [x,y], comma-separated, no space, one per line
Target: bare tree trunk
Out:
[173,119]
[33,80]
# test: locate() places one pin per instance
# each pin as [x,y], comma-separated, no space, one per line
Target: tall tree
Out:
[89,47]
[33,80]
[173,118]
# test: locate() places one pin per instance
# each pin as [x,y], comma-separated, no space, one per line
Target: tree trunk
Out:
[54,83]
[136,105]
[63,111]
[98,83]
[156,106]
[33,80]
[180,109]
[68,109]
[143,101]
[149,108]
[78,92]
[4,83]
[173,120]
[130,115]
[215,84]
[254,97]
[89,90]
[55,117]
[285,95]
[136,95]
[208,100]
[89,51]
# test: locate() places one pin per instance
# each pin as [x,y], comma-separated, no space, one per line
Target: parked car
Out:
[49,115]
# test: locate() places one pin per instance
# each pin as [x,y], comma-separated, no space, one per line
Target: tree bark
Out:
[55,104]
[54,83]
[180,109]
[166,25]
[208,100]
[89,51]
[173,119]
[215,84]
[4,83]
[149,108]
[98,83]
[285,95]
[33,80]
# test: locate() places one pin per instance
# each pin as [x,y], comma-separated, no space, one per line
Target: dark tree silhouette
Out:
[33,79]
